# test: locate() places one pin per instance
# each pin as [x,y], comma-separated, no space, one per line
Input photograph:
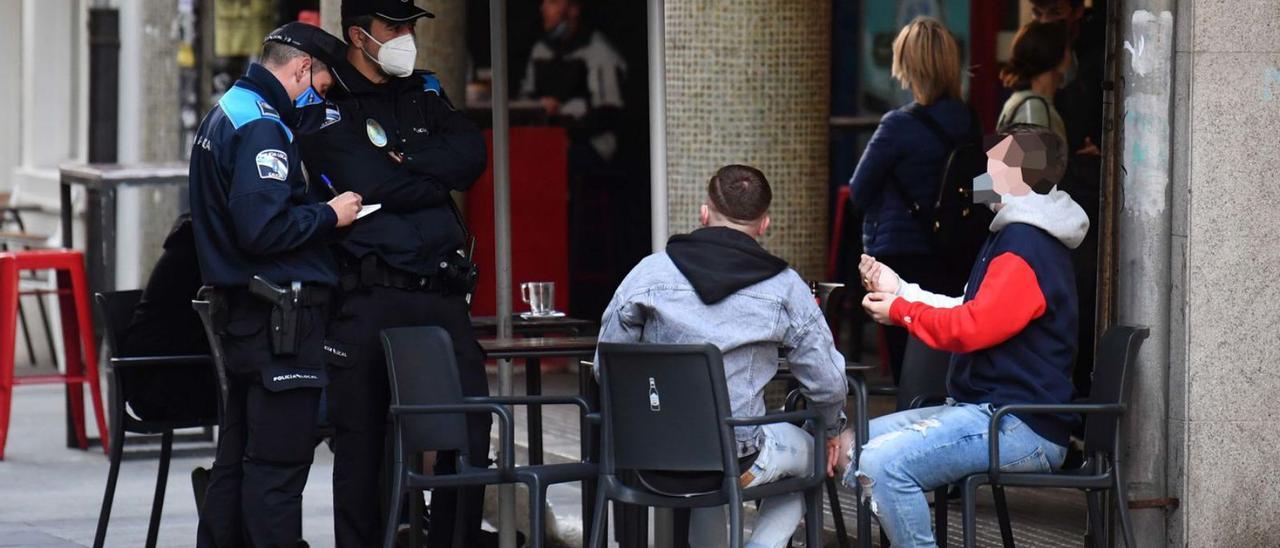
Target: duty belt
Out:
[311,295]
[370,271]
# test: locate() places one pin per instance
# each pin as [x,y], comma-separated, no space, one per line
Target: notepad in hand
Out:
[367,209]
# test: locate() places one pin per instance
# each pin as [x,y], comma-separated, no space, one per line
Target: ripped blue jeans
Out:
[786,451]
[919,450]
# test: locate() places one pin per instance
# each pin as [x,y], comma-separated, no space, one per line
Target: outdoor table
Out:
[16,211]
[20,208]
[101,183]
[532,351]
[534,327]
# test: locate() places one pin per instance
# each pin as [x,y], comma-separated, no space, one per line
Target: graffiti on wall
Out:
[1147,117]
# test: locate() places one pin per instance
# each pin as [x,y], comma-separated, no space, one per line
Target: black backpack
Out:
[955,225]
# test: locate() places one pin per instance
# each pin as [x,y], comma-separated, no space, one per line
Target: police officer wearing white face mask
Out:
[394,138]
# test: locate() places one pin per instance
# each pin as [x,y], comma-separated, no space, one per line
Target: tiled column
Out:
[748,82]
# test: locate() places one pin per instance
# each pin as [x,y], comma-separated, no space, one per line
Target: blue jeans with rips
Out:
[786,451]
[918,450]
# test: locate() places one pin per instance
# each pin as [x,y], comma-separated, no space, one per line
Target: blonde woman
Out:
[903,163]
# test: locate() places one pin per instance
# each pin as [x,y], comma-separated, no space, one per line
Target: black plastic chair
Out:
[831,297]
[665,411]
[831,301]
[116,309]
[923,382]
[428,414]
[201,306]
[1101,470]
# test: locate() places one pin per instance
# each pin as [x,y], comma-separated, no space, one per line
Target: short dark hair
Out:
[365,22]
[740,193]
[278,54]
[1037,48]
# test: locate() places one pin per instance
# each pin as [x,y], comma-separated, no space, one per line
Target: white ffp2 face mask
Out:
[396,55]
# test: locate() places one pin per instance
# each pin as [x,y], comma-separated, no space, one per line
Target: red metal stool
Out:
[77,335]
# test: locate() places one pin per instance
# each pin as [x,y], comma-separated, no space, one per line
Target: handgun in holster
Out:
[286,310]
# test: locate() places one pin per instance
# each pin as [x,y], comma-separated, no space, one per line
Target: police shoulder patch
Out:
[431,84]
[268,110]
[331,116]
[273,164]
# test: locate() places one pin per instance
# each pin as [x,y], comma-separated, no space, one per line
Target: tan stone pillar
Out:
[748,81]
[161,139]
[331,17]
[442,45]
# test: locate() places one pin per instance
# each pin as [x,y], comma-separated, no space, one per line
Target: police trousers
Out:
[358,399]
[267,435]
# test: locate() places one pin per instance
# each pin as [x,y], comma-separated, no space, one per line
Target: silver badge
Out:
[377,135]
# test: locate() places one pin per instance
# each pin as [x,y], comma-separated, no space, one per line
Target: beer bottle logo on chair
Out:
[654,403]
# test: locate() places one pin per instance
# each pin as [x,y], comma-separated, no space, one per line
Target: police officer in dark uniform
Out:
[261,240]
[397,141]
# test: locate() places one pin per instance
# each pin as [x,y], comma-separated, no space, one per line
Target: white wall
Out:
[130,86]
[10,90]
[51,99]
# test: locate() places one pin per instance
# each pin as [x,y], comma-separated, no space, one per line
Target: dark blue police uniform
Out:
[252,215]
[403,145]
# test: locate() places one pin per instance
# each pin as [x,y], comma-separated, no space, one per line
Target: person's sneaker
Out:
[1075,455]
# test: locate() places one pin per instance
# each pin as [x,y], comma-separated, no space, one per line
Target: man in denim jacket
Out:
[718,285]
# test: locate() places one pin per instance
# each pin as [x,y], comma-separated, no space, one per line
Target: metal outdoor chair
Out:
[201,306]
[923,382]
[831,298]
[1101,470]
[924,373]
[428,413]
[665,414]
[116,309]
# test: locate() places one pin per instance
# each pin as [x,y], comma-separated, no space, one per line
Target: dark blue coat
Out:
[1035,365]
[250,209]
[902,148]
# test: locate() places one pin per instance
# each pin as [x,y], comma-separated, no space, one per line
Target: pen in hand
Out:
[328,183]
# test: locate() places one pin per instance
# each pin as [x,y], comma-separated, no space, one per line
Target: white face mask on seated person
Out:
[396,56]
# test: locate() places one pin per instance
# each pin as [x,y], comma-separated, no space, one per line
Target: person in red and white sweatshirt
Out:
[1012,336]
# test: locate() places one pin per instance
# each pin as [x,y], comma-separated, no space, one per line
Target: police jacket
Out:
[250,209]
[400,144]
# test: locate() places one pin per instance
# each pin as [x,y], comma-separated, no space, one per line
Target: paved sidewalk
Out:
[1041,518]
[51,494]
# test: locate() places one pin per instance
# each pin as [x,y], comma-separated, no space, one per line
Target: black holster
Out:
[286,310]
[459,274]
